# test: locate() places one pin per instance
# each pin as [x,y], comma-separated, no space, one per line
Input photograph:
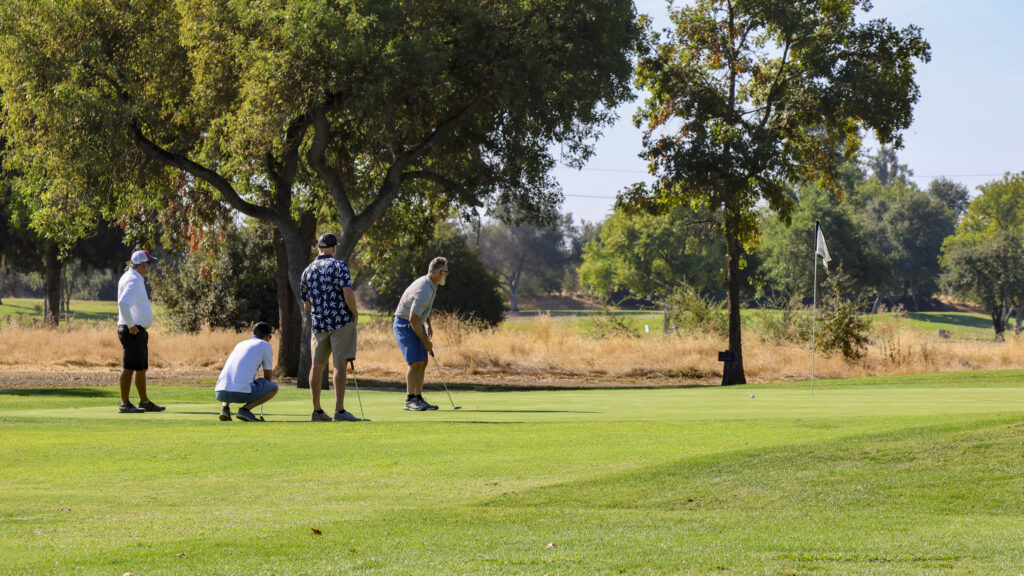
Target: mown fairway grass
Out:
[915,475]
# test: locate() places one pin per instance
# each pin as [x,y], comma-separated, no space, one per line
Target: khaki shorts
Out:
[342,342]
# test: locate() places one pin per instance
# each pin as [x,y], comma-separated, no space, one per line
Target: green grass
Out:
[904,475]
[961,325]
[32,308]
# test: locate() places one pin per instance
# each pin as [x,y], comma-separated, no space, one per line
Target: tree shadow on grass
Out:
[72,392]
[960,320]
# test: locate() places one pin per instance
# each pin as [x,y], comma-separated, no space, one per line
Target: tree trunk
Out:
[298,256]
[513,297]
[997,322]
[289,314]
[51,292]
[734,251]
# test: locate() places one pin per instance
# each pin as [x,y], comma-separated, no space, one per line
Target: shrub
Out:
[842,325]
[781,322]
[607,325]
[689,311]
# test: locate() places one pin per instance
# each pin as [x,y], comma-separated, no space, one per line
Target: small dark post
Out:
[726,358]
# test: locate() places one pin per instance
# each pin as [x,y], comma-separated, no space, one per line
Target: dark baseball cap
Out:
[327,240]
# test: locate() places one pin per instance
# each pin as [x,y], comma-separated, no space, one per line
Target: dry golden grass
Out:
[548,352]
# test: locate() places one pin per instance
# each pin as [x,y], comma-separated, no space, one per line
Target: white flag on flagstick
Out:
[820,248]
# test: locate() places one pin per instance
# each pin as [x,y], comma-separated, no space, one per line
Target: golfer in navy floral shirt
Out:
[326,291]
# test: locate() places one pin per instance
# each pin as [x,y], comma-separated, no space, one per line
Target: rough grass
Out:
[899,475]
[543,350]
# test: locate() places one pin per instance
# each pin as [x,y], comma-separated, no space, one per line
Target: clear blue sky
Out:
[968,125]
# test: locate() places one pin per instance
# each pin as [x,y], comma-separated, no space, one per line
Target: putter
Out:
[352,367]
[441,374]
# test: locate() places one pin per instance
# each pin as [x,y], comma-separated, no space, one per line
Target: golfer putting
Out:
[413,330]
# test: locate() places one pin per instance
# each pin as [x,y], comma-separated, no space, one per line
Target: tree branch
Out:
[330,177]
[431,176]
[228,193]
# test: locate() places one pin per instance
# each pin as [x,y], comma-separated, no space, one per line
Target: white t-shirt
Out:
[132,302]
[244,364]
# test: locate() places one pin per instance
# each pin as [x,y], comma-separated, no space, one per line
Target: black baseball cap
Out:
[327,240]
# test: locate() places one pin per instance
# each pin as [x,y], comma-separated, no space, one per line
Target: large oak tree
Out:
[280,107]
[748,97]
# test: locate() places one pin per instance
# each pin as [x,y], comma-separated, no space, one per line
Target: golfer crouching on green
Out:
[238,382]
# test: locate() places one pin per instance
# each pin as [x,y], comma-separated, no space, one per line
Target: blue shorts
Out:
[260,388]
[412,347]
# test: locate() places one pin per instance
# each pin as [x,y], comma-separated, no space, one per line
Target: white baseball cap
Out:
[141,257]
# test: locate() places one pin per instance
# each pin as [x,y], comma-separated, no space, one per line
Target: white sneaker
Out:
[320,417]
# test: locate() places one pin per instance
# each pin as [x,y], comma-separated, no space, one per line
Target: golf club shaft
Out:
[439,373]
[355,383]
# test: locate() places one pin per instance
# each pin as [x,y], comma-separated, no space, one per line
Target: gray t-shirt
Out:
[417,299]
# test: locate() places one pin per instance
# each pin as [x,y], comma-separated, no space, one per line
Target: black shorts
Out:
[136,348]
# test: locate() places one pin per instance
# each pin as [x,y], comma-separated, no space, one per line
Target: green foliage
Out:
[649,255]
[788,266]
[691,312]
[984,261]
[780,322]
[608,325]
[986,268]
[954,195]
[278,108]
[228,283]
[471,290]
[999,207]
[906,227]
[842,325]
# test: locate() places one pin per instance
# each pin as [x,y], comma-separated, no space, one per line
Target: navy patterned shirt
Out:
[321,285]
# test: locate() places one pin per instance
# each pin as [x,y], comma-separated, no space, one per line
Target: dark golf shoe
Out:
[416,404]
[246,416]
[129,408]
[149,406]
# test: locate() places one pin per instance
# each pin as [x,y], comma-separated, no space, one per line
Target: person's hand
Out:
[429,346]
[133,330]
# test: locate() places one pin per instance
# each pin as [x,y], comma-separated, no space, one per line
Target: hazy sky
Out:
[967,126]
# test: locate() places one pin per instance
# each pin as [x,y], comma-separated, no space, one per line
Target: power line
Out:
[589,196]
[627,171]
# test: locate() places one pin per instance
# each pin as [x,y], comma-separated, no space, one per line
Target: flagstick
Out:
[814,314]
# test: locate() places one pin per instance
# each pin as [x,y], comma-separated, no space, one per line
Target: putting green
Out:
[598,405]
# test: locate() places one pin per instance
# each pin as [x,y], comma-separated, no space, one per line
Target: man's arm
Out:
[124,304]
[417,327]
[350,301]
[268,362]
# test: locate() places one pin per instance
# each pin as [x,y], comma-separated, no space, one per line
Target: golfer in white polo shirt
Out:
[238,380]
[134,317]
